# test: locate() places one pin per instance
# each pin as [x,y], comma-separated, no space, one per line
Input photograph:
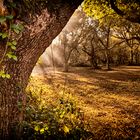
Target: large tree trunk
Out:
[37,36]
[94,63]
[66,66]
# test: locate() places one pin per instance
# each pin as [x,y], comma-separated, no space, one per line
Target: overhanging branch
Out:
[131,17]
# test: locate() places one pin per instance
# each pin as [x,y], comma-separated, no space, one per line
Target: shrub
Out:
[59,120]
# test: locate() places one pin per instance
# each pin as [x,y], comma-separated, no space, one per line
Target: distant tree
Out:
[130,34]
[101,41]
[90,44]
[70,37]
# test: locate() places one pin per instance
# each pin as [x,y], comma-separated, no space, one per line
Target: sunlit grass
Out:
[107,100]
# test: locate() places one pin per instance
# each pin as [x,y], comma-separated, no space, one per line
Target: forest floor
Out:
[110,100]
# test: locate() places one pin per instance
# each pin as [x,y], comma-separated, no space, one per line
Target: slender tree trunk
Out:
[93,62]
[137,56]
[108,60]
[37,36]
[66,67]
[131,56]
[93,55]
[66,56]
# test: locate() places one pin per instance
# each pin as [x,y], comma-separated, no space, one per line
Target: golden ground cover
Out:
[110,100]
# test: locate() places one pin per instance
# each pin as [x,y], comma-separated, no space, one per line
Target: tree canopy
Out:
[128,9]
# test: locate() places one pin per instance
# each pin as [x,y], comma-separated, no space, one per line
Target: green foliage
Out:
[61,119]
[53,121]
[102,8]
[9,17]
[4,75]
[11,55]
[97,8]
[17,28]
[2,19]
[12,44]
[6,35]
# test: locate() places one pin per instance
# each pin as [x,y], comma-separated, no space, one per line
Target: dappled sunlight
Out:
[111,107]
[107,102]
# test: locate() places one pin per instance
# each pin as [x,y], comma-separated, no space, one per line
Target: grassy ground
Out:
[110,100]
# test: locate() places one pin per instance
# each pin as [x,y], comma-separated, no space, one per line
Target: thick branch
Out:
[133,18]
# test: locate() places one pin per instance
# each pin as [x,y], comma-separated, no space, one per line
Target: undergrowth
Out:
[84,105]
[55,119]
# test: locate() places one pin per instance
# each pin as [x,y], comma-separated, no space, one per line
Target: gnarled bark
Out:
[40,29]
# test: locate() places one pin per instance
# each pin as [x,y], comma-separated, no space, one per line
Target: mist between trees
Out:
[86,41]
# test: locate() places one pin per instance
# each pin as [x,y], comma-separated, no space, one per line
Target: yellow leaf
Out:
[37,128]
[42,130]
[72,116]
[46,127]
[66,129]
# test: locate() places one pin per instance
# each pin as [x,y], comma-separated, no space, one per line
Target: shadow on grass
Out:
[112,95]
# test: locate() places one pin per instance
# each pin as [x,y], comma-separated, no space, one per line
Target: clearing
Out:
[110,100]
